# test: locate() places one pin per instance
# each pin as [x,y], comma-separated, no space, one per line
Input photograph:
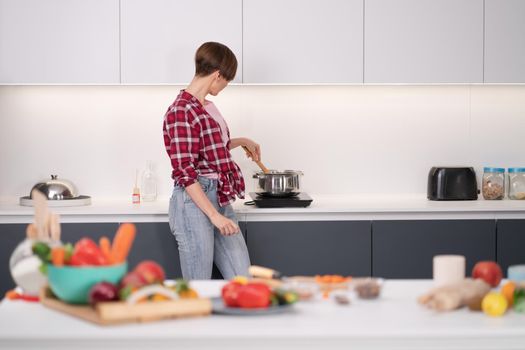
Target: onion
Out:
[103,291]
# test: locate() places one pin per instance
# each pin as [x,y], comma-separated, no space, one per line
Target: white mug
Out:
[448,269]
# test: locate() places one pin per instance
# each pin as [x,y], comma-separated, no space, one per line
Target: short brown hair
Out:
[212,56]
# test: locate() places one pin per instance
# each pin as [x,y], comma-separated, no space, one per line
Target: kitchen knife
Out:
[263,272]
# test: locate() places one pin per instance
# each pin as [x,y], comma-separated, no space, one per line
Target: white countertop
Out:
[395,321]
[323,207]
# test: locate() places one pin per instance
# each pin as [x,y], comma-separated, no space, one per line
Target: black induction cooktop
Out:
[302,200]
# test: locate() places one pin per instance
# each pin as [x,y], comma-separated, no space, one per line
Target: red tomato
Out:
[254,295]
[489,271]
[87,252]
[230,293]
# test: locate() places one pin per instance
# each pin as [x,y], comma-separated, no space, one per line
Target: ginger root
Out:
[454,296]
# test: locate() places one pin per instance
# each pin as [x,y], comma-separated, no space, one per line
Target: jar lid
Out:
[494,170]
[516,170]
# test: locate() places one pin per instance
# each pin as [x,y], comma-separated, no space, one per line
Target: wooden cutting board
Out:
[109,313]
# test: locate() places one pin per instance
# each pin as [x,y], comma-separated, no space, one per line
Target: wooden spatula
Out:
[258,162]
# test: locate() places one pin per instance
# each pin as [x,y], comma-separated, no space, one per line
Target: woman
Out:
[206,178]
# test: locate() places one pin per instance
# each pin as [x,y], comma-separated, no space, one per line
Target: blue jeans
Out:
[200,243]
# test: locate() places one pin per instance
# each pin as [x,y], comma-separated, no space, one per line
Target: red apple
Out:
[489,271]
[150,271]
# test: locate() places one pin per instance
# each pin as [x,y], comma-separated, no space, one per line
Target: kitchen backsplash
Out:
[346,139]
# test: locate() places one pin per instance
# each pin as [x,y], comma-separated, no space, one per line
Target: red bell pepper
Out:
[230,293]
[254,295]
[86,253]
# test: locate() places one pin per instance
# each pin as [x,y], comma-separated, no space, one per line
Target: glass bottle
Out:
[149,184]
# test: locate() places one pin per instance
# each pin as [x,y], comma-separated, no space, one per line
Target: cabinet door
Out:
[10,236]
[504,41]
[295,41]
[310,248]
[59,41]
[154,241]
[404,249]
[423,41]
[160,37]
[511,243]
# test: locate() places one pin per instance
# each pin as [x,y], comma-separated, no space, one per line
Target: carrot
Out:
[122,242]
[328,279]
[105,247]
[12,294]
[58,255]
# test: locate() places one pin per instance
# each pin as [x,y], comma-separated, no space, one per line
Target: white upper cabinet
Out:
[275,41]
[59,41]
[297,41]
[423,41]
[159,37]
[504,41]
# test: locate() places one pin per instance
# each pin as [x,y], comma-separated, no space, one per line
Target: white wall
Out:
[346,139]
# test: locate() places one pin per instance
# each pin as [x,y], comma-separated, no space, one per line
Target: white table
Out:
[395,321]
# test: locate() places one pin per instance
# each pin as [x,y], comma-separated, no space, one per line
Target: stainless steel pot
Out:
[278,183]
[56,189]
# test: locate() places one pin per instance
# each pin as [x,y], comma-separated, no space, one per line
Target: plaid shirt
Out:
[194,144]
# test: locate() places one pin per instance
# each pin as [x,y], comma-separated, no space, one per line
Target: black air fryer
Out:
[452,184]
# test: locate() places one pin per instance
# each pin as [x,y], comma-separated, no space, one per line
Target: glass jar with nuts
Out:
[517,183]
[493,186]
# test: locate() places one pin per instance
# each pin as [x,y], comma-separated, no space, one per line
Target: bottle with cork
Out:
[135,198]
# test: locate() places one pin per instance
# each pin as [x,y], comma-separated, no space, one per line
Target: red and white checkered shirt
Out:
[195,146]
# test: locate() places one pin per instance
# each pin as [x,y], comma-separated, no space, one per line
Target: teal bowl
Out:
[72,283]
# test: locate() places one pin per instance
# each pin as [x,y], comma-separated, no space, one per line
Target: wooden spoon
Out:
[47,223]
[41,214]
[54,227]
[258,162]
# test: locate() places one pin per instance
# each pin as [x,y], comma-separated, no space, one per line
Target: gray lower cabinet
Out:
[511,243]
[389,249]
[310,248]
[10,236]
[404,249]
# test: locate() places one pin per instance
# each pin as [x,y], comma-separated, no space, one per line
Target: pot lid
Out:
[280,172]
[56,189]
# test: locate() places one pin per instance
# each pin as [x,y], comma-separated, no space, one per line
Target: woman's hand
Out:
[254,150]
[226,226]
